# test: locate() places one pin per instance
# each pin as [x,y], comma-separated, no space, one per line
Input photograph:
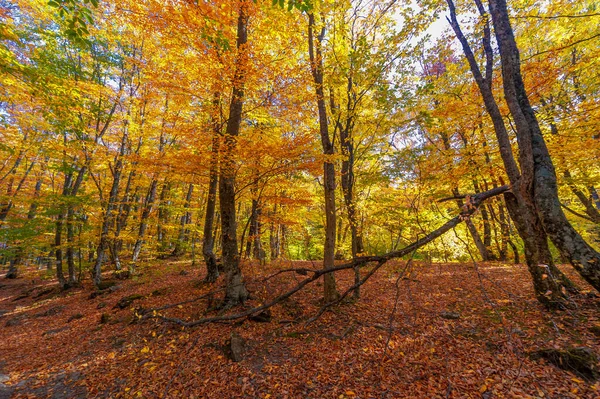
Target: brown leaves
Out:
[340,355]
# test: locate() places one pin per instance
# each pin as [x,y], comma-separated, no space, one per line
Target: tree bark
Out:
[235,291]
[185,219]
[549,291]
[330,293]
[274,236]
[107,220]
[73,280]
[212,270]
[543,187]
[163,217]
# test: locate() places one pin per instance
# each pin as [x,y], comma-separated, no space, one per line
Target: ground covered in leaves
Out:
[418,331]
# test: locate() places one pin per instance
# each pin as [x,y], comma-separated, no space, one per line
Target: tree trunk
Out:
[595,196]
[481,248]
[123,213]
[259,252]
[59,230]
[591,211]
[106,223]
[505,233]
[330,293]
[543,188]
[235,291]
[146,211]
[549,286]
[212,270]
[185,219]
[73,280]
[163,217]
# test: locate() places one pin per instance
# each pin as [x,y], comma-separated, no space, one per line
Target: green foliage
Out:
[77,16]
[302,5]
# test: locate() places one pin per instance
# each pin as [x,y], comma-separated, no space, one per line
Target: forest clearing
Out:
[299,199]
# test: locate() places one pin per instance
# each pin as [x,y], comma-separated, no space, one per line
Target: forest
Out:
[299,199]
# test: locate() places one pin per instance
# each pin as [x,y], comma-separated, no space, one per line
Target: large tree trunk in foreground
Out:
[330,293]
[235,292]
[543,188]
[549,283]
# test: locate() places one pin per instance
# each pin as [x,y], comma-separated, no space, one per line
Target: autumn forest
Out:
[299,199]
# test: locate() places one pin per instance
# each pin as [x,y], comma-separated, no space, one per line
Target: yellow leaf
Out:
[145,350]
[350,393]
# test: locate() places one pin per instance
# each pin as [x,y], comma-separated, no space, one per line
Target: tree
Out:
[236,290]
[330,293]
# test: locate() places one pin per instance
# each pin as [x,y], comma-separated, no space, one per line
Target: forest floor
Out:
[443,331]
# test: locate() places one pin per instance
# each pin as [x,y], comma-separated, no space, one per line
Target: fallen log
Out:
[472,203]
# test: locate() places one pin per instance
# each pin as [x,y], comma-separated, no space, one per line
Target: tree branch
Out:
[472,203]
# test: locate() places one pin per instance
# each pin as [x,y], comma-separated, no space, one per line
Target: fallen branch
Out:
[472,203]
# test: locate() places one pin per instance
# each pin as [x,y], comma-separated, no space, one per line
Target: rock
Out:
[101,305]
[184,273]
[126,301]
[105,318]
[595,330]
[4,378]
[450,315]
[262,317]
[581,361]
[235,347]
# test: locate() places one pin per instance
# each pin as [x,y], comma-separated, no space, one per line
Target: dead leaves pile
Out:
[356,350]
